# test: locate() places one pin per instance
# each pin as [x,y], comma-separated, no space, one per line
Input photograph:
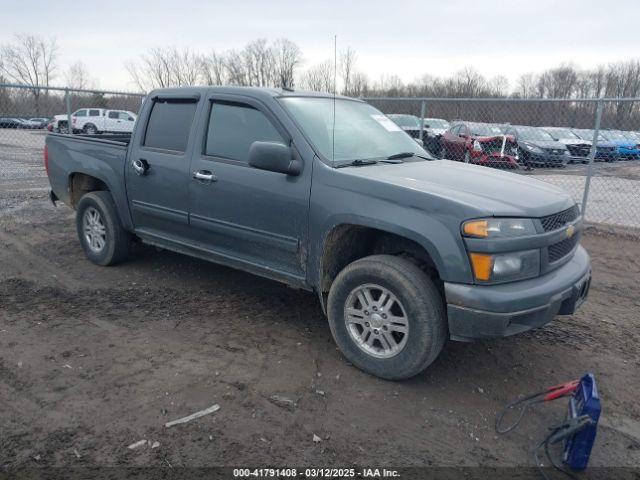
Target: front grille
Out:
[559,220]
[495,146]
[579,150]
[555,151]
[562,248]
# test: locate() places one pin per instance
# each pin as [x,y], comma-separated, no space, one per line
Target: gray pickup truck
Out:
[329,195]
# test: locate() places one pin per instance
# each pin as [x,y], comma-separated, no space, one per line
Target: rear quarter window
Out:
[169,124]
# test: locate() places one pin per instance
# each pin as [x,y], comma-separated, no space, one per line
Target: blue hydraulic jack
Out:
[577,431]
[584,403]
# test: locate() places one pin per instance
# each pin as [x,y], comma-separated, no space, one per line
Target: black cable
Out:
[526,402]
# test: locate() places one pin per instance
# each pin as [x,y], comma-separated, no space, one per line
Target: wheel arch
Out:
[347,242]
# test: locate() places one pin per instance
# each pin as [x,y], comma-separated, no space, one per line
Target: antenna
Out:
[335,74]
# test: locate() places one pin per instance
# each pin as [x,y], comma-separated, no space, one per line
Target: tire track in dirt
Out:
[18,253]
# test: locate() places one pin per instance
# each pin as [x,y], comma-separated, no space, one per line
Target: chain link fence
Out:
[588,147]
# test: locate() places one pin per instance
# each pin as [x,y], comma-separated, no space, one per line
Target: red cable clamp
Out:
[561,390]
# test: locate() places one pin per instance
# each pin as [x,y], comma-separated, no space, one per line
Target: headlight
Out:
[476,146]
[533,148]
[505,267]
[499,228]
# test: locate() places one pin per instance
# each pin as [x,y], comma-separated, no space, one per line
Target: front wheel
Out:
[90,129]
[104,240]
[387,316]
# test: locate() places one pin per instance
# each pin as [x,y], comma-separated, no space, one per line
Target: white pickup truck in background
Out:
[96,120]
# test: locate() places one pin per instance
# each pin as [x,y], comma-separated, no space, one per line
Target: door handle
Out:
[140,166]
[204,175]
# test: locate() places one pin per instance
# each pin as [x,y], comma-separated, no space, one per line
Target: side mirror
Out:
[275,157]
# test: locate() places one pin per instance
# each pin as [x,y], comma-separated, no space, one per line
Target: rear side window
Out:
[233,127]
[169,124]
[94,113]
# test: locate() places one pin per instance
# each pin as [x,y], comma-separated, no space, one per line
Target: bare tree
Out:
[359,85]
[214,70]
[319,78]
[30,60]
[77,77]
[287,58]
[166,67]
[236,68]
[259,63]
[347,66]
[525,85]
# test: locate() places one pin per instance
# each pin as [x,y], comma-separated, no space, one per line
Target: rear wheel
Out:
[104,240]
[387,316]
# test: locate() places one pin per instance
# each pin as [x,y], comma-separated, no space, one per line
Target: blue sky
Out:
[407,38]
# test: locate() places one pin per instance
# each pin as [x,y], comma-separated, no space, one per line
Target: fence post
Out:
[422,110]
[67,101]
[592,156]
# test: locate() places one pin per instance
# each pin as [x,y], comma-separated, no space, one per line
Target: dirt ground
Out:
[94,359]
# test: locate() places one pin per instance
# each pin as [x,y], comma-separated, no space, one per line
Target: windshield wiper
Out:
[357,163]
[397,156]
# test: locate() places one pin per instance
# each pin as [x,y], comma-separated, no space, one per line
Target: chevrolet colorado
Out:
[329,195]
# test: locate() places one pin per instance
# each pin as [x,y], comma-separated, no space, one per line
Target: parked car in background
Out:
[479,143]
[537,147]
[434,128]
[606,151]
[408,123]
[11,122]
[92,121]
[628,148]
[29,124]
[579,149]
[40,122]
[96,120]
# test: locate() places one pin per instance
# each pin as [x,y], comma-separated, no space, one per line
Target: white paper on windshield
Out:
[386,123]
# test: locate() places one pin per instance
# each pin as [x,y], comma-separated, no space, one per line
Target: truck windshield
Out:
[361,131]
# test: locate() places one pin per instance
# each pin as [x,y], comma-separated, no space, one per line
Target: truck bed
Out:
[99,156]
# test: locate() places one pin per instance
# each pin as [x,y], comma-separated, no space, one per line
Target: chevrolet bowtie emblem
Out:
[570,231]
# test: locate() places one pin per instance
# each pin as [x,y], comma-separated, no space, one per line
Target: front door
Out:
[255,217]
[157,172]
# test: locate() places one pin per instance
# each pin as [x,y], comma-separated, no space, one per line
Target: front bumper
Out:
[485,311]
[547,159]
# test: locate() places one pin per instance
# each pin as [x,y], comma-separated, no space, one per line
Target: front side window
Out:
[113,114]
[233,127]
[361,132]
[80,113]
[169,124]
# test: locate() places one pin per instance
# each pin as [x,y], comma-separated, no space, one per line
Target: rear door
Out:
[244,215]
[157,170]
[119,121]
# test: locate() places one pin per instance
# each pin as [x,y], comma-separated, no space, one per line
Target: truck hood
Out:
[571,141]
[484,190]
[546,144]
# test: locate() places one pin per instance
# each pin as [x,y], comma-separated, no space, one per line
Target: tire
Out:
[90,129]
[416,299]
[62,127]
[112,243]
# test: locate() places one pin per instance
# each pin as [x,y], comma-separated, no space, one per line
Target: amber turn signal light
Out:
[482,265]
[477,228]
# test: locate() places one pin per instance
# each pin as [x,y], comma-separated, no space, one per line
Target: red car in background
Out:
[479,143]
